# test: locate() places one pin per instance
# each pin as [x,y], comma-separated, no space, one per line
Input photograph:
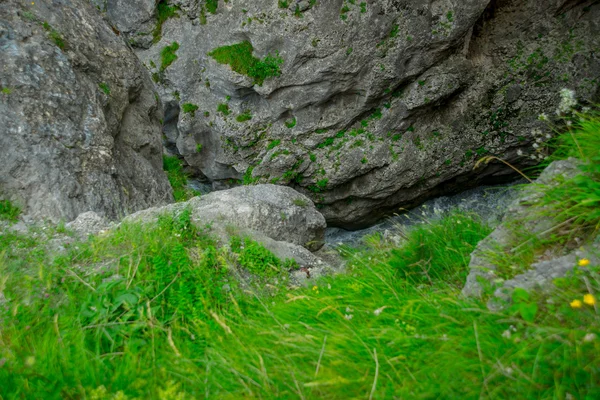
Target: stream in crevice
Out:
[489,202]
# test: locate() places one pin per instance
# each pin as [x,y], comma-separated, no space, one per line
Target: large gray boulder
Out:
[276,212]
[79,120]
[379,104]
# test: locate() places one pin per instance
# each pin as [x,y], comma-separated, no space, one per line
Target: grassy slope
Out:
[156,312]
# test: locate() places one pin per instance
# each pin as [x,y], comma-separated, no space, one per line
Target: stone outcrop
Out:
[484,273]
[379,105]
[79,119]
[278,212]
[283,220]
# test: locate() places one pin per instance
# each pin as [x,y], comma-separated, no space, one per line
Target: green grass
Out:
[241,60]
[145,311]
[9,211]
[290,123]
[189,108]
[6,91]
[212,5]
[246,116]
[168,56]
[55,36]
[177,179]
[105,88]
[223,108]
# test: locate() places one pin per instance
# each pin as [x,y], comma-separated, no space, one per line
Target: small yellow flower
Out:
[315,288]
[576,304]
[584,262]
[589,299]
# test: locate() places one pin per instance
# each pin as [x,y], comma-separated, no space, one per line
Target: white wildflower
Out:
[535,145]
[543,117]
[349,310]
[567,102]
[590,337]
[348,316]
[379,311]
[506,334]
[520,152]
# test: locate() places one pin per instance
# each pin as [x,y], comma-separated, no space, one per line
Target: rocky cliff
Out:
[79,119]
[364,106]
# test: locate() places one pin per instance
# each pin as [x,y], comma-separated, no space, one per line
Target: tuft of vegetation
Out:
[246,116]
[212,5]
[168,56]
[290,123]
[9,211]
[55,36]
[6,91]
[223,108]
[177,179]
[274,143]
[189,108]
[241,60]
[283,4]
[105,88]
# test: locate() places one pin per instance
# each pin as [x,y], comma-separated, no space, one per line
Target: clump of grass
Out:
[274,143]
[439,251]
[104,87]
[246,116]
[255,258]
[189,108]
[55,36]
[9,211]
[212,5]
[177,179]
[290,123]
[223,108]
[239,56]
[577,199]
[168,56]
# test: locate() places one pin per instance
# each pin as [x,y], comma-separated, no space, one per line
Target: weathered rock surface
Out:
[484,271]
[386,104]
[79,120]
[277,212]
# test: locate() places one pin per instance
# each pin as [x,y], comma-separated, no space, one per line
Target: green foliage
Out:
[177,179]
[163,13]
[189,108]
[212,5]
[157,311]
[258,260]
[105,88]
[577,199]
[300,202]
[6,91]
[239,57]
[246,116]
[168,56]
[9,211]
[248,178]
[283,4]
[291,123]
[273,144]
[55,36]
[439,252]
[198,147]
[223,108]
